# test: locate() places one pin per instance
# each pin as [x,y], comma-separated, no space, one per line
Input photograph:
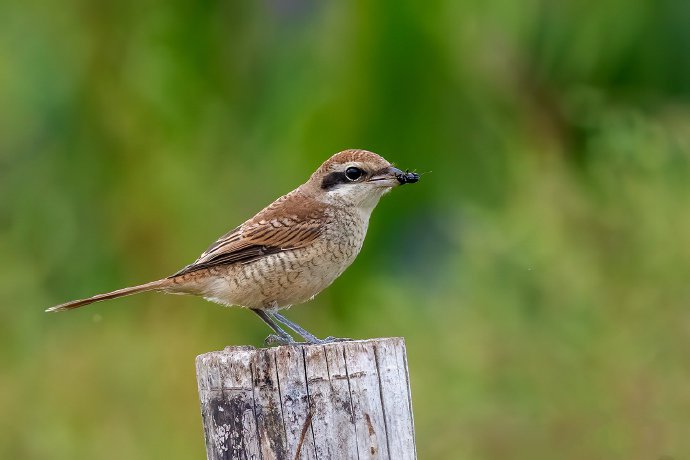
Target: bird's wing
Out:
[269,232]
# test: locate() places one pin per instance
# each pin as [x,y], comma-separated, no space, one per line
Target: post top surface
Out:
[234,349]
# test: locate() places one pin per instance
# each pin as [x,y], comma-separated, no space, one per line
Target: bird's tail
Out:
[152,286]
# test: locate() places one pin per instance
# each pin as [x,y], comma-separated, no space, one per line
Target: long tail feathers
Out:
[152,286]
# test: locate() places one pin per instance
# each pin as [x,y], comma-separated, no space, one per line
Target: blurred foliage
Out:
[539,272]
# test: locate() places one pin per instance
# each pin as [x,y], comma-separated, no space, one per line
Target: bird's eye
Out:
[353,173]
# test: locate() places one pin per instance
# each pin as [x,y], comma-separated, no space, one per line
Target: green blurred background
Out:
[539,272]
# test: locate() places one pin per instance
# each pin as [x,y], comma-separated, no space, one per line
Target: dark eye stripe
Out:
[333,179]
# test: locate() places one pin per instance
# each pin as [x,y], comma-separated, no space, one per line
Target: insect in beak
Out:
[406,177]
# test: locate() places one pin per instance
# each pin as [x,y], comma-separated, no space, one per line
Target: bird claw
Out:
[274,339]
[330,339]
[277,340]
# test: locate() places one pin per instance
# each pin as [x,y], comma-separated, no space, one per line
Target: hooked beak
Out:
[391,177]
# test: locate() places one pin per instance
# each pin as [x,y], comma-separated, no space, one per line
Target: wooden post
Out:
[344,400]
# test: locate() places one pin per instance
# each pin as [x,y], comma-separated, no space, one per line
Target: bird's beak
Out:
[391,176]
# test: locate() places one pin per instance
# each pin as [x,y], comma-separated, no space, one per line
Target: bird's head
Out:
[356,178]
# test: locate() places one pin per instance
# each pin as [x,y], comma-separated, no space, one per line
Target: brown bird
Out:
[291,250]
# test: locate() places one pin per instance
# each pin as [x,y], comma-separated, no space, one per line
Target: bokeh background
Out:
[539,270]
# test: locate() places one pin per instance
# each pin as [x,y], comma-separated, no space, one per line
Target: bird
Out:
[289,251]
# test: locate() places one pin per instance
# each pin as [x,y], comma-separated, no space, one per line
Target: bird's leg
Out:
[280,337]
[308,336]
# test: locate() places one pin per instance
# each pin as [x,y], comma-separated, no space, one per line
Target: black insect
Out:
[407,177]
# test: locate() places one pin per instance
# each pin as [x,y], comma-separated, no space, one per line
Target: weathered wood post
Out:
[344,400]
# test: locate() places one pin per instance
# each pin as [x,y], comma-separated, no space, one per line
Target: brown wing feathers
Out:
[264,234]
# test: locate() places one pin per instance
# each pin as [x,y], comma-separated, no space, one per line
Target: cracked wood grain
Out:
[346,400]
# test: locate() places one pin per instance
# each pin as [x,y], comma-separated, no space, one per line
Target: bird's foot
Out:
[278,340]
[329,339]
[275,339]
